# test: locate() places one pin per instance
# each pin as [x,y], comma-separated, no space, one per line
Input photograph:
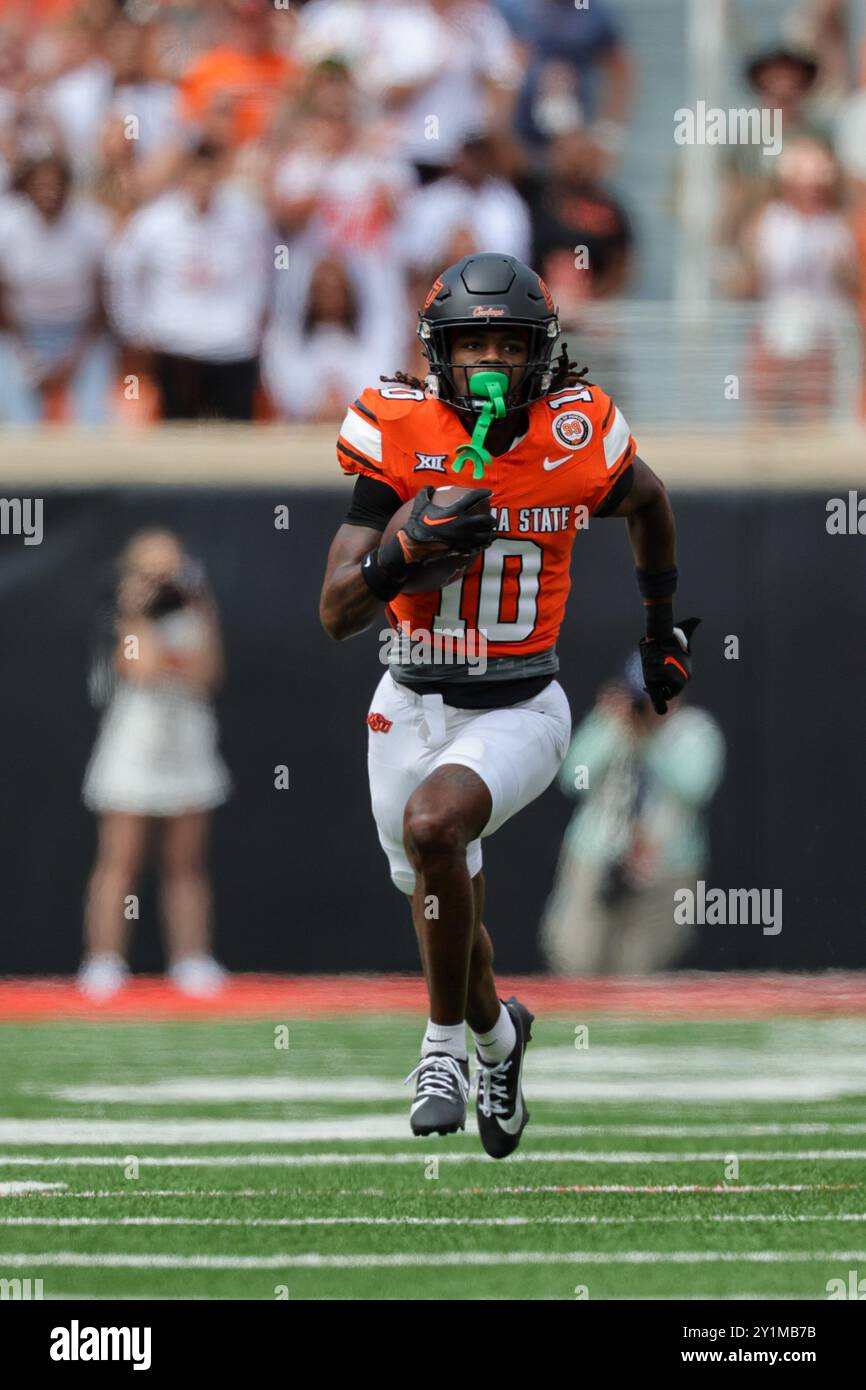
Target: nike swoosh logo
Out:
[554,463]
[440,521]
[513,1123]
[672,661]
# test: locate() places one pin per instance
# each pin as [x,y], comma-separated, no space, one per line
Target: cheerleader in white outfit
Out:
[156,764]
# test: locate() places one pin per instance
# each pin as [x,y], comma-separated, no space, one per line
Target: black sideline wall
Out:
[301,883]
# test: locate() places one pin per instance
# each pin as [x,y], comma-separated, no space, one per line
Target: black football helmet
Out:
[489,289]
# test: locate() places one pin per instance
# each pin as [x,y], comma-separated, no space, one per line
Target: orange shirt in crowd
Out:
[253,82]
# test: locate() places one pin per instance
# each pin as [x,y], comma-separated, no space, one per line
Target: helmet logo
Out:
[572,430]
[489,311]
[548,297]
[435,289]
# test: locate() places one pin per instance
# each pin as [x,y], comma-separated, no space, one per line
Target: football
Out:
[442,569]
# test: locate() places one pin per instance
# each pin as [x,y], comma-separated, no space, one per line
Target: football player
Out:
[456,749]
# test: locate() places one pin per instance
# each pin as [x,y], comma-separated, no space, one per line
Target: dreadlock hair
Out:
[402,379]
[564,373]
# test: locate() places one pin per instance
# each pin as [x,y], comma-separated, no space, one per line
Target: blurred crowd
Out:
[231,207]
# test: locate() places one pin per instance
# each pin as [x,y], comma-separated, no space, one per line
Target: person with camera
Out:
[643,781]
[155,765]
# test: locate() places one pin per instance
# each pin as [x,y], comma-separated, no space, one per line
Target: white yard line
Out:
[117,1260]
[423,1154]
[303,1221]
[352,1128]
[14,1189]
[696,1131]
[569,1078]
[723,1189]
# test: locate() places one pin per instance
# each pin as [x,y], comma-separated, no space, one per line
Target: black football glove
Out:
[667,664]
[456,526]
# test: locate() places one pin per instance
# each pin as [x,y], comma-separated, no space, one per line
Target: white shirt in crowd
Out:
[495,215]
[302,369]
[82,99]
[51,270]
[301,372]
[799,258]
[194,284]
[447,57]
[350,215]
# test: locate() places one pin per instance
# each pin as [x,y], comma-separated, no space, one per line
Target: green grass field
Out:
[198,1159]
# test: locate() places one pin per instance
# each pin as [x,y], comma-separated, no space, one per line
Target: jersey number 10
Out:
[487,619]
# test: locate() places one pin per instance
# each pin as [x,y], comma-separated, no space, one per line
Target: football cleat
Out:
[441,1094]
[501,1109]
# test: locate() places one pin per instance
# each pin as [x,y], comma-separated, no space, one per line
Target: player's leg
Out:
[185,896]
[442,817]
[483,1005]
[120,855]
[517,752]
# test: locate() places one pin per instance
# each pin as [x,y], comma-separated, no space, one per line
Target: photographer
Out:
[643,780]
[155,761]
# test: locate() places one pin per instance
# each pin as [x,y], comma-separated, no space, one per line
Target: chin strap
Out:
[493,385]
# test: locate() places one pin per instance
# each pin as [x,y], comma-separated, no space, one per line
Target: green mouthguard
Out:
[493,385]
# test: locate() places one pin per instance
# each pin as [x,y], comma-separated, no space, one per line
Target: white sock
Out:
[445,1037]
[498,1044]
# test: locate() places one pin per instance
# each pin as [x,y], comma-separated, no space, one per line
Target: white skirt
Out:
[156,754]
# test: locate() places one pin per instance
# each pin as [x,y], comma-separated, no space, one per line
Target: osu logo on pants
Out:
[378,723]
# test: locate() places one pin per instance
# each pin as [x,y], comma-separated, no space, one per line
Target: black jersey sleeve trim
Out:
[356,405]
[373,503]
[621,489]
[358,458]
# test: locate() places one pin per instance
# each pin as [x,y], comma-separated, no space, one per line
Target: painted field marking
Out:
[434,1221]
[355,1128]
[544,1189]
[354,1160]
[13,1189]
[117,1260]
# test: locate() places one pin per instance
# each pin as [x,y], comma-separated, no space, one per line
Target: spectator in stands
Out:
[644,782]
[580,71]
[190,281]
[470,197]
[440,68]
[155,760]
[582,237]
[783,79]
[851,152]
[823,28]
[55,354]
[335,191]
[335,332]
[246,73]
[798,258]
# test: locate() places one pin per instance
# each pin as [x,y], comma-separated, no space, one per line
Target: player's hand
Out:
[667,664]
[456,527]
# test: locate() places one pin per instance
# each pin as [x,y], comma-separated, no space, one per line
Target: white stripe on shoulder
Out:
[362,434]
[616,439]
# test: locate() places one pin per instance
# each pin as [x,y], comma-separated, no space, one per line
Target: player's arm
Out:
[346,605]
[650,519]
[362,574]
[641,498]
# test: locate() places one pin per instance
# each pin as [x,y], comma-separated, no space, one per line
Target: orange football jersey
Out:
[545,489]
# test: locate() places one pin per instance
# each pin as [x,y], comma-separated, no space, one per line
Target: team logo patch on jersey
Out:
[434,461]
[378,723]
[573,429]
